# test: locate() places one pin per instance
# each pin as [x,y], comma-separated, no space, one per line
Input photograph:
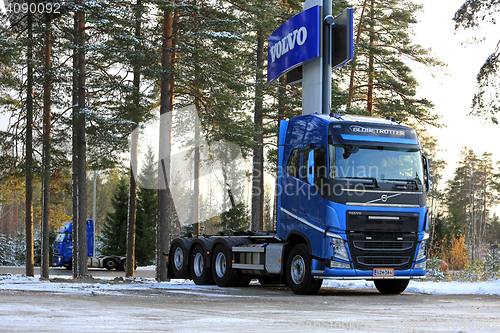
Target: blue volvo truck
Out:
[351,204]
[63,250]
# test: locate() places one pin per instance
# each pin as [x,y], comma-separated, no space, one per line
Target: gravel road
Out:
[251,309]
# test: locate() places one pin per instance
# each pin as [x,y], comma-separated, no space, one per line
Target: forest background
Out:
[216,57]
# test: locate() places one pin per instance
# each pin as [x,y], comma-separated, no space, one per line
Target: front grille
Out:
[382,239]
[383,245]
[56,251]
[394,262]
[382,221]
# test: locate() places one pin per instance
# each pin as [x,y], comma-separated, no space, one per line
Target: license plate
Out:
[383,272]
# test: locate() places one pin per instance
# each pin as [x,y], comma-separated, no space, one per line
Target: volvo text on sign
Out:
[294,42]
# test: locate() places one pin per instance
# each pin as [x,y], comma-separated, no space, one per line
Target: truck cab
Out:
[353,190]
[63,247]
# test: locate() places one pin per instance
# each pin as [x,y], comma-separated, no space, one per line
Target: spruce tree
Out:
[147,211]
[114,233]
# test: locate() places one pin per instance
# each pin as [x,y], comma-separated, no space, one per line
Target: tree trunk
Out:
[258,152]
[371,73]
[75,143]
[81,220]
[46,152]
[196,162]
[166,105]
[132,203]
[196,176]
[30,255]
[281,116]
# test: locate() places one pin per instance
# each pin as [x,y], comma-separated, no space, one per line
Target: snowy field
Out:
[65,284]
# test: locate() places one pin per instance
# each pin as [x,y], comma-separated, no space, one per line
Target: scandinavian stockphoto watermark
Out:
[224,176]
[402,326]
[222,169]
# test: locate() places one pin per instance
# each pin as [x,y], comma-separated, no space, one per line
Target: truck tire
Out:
[298,271]
[391,287]
[224,275]
[178,261]
[122,266]
[198,266]
[109,263]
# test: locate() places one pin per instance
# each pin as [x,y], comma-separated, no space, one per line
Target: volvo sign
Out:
[294,42]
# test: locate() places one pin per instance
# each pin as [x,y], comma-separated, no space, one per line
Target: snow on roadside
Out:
[429,287]
[114,286]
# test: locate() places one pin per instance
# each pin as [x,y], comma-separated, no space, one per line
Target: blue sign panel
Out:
[342,50]
[294,42]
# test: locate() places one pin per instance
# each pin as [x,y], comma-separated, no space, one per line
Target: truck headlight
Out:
[422,248]
[339,248]
[338,264]
[421,265]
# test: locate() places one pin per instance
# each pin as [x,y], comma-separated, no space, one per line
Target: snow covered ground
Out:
[114,286]
[119,304]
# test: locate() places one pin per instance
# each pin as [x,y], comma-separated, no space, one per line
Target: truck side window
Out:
[320,170]
[292,166]
[304,167]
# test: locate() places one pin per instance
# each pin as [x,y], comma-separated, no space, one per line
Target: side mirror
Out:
[310,167]
[427,173]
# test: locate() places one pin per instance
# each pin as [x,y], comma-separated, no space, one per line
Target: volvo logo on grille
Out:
[384,197]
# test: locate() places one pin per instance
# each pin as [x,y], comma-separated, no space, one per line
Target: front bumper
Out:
[354,274]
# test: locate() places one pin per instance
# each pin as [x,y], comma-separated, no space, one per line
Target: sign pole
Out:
[327,57]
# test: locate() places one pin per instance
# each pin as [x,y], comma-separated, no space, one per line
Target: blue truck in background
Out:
[351,204]
[63,250]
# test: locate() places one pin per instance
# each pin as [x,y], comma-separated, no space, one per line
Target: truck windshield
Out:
[381,163]
[60,237]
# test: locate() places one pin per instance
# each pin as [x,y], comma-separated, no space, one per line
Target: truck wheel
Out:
[70,266]
[122,266]
[198,262]
[224,275]
[391,287]
[178,261]
[109,263]
[298,272]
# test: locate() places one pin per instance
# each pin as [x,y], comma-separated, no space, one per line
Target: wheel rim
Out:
[220,264]
[298,270]
[178,258]
[198,264]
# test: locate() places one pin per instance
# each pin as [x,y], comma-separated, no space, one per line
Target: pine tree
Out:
[470,196]
[381,82]
[472,14]
[115,226]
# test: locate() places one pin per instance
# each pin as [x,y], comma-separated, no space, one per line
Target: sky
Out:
[453,89]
